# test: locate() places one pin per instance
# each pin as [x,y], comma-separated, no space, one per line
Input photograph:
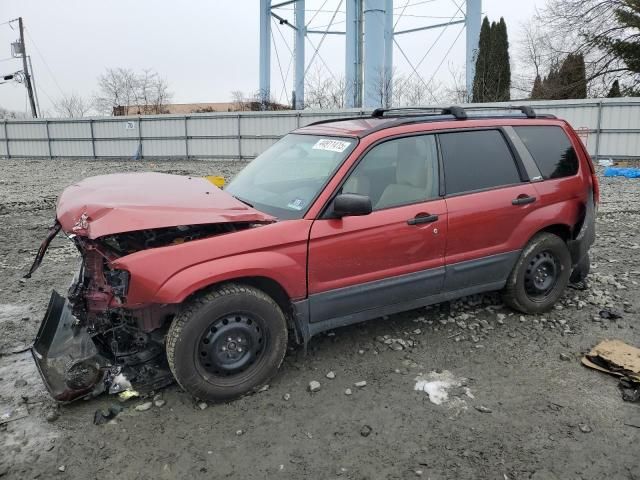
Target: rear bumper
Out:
[66,356]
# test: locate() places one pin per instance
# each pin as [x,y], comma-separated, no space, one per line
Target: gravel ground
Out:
[519,406]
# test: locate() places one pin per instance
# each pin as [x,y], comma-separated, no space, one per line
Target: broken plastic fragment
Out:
[127,394]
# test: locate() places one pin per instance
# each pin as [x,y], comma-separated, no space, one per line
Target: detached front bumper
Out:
[66,356]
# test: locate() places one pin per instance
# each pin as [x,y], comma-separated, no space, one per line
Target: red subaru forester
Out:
[339,222]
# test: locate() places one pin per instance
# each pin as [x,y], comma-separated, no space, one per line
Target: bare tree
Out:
[11,114]
[239,100]
[323,92]
[121,91]
[72,106]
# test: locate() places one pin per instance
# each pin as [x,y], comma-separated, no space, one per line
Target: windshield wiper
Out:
[243,201]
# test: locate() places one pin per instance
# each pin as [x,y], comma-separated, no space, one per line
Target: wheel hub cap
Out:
[230,345]
[541,274]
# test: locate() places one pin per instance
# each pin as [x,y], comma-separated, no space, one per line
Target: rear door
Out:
[393,255]
[487,195]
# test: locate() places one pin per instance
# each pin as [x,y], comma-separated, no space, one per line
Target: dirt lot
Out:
[545,416]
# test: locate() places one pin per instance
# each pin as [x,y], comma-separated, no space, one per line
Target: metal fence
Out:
[609,128]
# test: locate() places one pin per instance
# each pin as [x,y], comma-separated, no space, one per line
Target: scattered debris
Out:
[263,388]
[610,314]
[103,416]
[483,409]
[286,397]
[360,384]
[62,468]
[436,385]
[348,391]
[331,375]
[202,405]
[564,357]
[239,432]
[584,428]
[52,415]
[143,407]
[617,358]
[314,386]
[127,394]
[366,430]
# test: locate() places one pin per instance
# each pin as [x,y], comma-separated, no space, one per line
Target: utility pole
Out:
[27,77]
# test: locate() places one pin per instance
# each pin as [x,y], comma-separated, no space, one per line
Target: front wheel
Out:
[226,342]
[540,275]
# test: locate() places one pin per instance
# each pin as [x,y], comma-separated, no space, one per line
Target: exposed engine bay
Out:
[89,342]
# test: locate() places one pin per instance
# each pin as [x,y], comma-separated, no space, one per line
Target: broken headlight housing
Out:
[118,280]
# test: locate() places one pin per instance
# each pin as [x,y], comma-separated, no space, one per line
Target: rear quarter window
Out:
[551,149]
[477,160]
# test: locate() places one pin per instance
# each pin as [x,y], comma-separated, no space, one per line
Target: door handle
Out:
[422,218]
[523,200]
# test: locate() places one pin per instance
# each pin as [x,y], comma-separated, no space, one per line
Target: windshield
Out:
[285,179]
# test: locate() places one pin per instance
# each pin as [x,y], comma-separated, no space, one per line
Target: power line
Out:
[446,55]
[324,35]
[45,62]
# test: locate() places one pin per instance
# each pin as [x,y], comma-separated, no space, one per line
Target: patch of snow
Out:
[437,385]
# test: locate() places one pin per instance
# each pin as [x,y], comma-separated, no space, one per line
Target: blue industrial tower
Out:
[369,39]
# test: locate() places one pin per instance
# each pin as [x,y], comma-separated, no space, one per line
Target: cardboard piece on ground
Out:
[615,357]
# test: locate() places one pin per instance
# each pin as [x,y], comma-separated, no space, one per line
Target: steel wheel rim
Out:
[230,346]
[541,275]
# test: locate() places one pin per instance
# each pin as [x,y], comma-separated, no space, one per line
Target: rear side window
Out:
[477,160]
[551,150]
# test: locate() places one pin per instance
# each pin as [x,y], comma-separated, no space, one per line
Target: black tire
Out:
[200,340]
[581,270]
[540,275]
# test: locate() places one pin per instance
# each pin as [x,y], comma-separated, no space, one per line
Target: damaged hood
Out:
[125,202]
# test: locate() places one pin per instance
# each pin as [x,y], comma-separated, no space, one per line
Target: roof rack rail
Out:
[380,112]
[526,109]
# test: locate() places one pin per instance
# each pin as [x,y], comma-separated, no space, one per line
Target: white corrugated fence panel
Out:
[210,147]
[115,128]
[163,128]
[622,144]
[71,148]
[77,129]
[212,126]
[116,148]
[278,125]
[27,130]
[163,148]
[28,148]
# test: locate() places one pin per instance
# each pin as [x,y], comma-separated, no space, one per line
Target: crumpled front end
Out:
[65,354]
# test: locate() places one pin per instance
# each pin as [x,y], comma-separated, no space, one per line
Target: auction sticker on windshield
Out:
[331,145]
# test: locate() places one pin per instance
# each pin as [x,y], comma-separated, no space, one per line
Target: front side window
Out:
[284,180]
[477,160]
[551,150]
[397,172]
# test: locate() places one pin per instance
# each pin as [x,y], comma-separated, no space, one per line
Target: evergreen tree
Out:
[501,64]
[482,63]
[492,82]
[537,93]
[628,48]
[615,90]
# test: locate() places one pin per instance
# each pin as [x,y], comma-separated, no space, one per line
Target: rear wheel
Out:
[227,342]
[540,275]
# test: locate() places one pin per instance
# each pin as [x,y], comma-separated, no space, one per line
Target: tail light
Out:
[596,189]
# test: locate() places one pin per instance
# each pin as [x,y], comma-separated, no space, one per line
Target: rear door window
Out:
[477,160]
[551,150]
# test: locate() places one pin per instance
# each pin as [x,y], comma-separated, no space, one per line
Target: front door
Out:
[391,257]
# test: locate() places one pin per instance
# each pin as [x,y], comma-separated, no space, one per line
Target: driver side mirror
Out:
[351,204]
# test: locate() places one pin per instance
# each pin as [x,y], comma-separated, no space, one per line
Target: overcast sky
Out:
[207,48]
